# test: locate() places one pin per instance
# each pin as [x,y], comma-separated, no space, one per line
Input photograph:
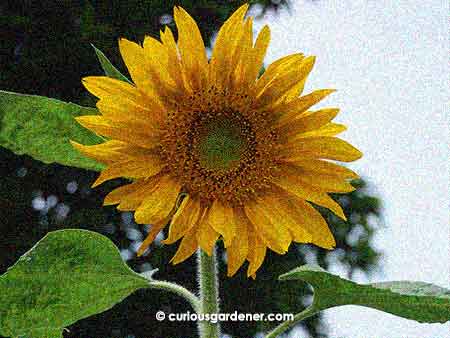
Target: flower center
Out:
[220,145]
[217,148]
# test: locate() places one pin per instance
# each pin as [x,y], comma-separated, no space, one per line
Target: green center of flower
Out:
[220,146]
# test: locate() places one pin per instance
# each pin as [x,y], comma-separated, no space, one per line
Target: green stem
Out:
[174,288]
[207,277]
[308,312]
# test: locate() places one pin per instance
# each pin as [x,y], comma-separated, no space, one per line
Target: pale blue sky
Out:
[389,62]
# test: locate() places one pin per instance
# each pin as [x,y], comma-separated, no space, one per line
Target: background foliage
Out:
[45,50]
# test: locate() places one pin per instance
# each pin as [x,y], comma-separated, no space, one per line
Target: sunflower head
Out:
[216,151]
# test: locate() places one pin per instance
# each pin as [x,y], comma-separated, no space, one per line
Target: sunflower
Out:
[214,150]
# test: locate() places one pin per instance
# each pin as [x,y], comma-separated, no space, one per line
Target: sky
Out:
[389,62]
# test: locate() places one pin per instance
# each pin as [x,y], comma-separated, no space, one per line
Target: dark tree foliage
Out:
[45,50]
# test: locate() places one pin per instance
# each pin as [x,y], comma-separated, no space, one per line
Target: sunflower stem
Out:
[209,300]
[173,288]
[308,312]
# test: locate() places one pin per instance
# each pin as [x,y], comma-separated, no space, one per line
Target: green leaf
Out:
[66,276]
[42,127]
[423,302]
[108,67]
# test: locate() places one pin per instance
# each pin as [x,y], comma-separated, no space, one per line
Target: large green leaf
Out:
[67,276]
[42,127]
[423,302]
[108,67]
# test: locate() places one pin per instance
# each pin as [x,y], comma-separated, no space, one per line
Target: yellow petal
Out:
[158,204]
[275,235]
[148,74]
[256,253]
[154,231]
[137,167]
[187,215]
[291,109]
[191,47]
[121,110]
[132,200]
[187,247]
[330,129]
[206,236]
[115,148]
[283,82]
[238,249]
[324,182]
[125,132]
[103,87]
[224,46]
[279,66]
[324,167]
[310,219]
[296,90]
[233,55]
[257,55]
[222,219]
[309,193]
[115,196]
[280,213]
[240,60]
[322,147]
[308,122]
[157,56]
[130,196]
[175,70]
[138,67]
[122,95]
[156,53]
[106,152]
